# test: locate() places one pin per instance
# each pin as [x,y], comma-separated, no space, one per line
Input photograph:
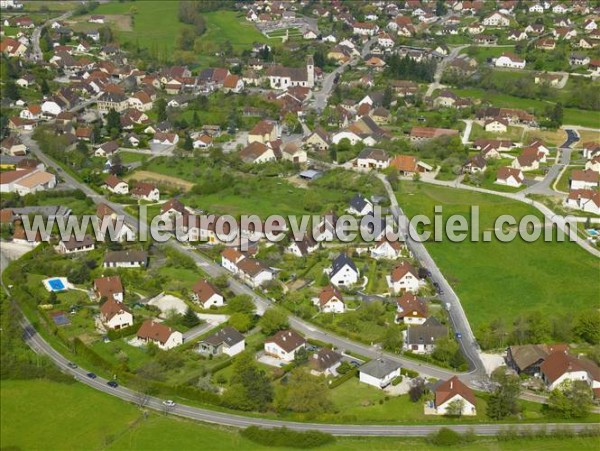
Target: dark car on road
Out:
[91,375]
[112,384]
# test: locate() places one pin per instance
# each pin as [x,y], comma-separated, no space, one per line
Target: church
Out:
[286,77]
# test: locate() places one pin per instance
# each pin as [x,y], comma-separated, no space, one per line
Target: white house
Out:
[404,278]
[387,249]
[109,288]
[496,19]
[284,345]
[510,60]
[370,158]
[74,246]
[365,28]
[205,294]
[162,336]
[379,372]
[496,125]
[410,310]
[230,257]
[587,200]
[330,300]
[449,394]
[343,271]
[116,185]
[126,259]
[584,179]
[226,341]
[115,315]
[560,367]
[360,206]
[510,177]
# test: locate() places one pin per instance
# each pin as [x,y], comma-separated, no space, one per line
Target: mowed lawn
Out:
[505,279]
[48,416]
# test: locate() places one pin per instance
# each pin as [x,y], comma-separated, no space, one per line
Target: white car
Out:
[169,403]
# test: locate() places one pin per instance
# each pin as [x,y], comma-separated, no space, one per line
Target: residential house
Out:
[107,149]
[126,259]
[257,153]
[115,315]
[390,250]
[404,278]
[526,359]
[116,185]
[510,177]
[318,140]
[146,191]
[109,288]
[227,341]
[584,179]
[497,125]
[475,164]
[559,367]
[410,310]
[343,271]
[161,335]
[365,28]
[330,300]
[325,362]
[111,101]
[253,272]
[302,247]
[73,245]
[294,153]
[284,345]
[421,339]
[206,294]
[496,19]
[379,372]
[264,132]
[408,165]
[371,158]
[420,134]
[360,205]
[510,60]
[446,396]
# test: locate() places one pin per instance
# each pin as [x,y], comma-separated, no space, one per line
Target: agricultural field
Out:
[504,282]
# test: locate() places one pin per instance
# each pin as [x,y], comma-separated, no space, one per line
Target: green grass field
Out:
[223,26]
[131,157]
[42,415]
[156,25]
[572,116]
[504,277]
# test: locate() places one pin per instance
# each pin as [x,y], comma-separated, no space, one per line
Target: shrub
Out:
[285,437]
[346,377]
[408,373]
[445,437]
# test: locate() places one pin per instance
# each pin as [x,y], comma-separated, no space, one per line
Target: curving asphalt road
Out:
[40,346]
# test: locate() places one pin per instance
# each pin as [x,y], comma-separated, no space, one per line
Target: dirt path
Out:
[161,178]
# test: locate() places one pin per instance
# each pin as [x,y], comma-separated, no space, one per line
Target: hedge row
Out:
[346,377]
[113,334]
[287,438]
[409,373]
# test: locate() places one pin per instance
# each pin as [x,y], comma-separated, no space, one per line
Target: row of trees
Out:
[406,68]
[536,327]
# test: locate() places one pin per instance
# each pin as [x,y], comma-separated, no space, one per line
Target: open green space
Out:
[482,54]
[223,26]
[512,278]
[43,415]
[563,181]
[155,24]
[572,116]
[131,157]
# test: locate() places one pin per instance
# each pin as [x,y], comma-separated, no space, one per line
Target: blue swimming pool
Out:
[593,232]
[56,285]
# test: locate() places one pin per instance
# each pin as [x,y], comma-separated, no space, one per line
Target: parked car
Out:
[91,375]
[112,384]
